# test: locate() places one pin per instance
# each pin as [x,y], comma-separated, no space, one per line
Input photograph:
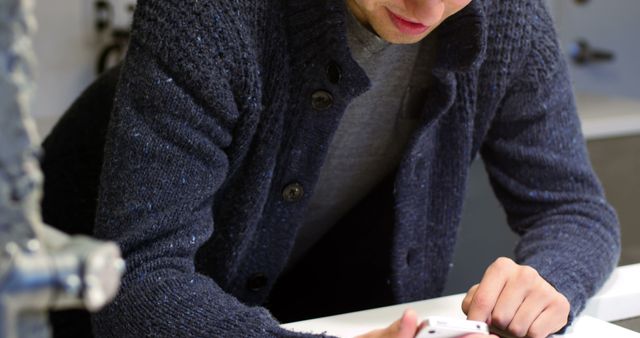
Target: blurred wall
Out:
[66,48]
[67,45]
[610,26]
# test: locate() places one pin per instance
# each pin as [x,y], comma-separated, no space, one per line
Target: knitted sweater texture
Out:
[214,114]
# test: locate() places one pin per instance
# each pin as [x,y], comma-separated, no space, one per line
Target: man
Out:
[309,157]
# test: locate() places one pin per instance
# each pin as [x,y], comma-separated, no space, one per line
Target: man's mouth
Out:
[407,26]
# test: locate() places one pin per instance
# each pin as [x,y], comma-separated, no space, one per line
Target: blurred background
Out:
[78,38]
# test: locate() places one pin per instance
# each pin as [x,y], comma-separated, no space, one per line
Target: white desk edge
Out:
[618,299]
[606,116]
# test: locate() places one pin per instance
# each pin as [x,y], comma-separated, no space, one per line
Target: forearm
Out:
[171,304]
[539,167]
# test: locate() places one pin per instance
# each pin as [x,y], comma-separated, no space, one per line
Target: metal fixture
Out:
[582,53]
[116,35]
[41,268]
[104,14]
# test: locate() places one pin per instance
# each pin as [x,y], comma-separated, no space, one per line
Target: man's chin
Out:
[402,39]
[395,37]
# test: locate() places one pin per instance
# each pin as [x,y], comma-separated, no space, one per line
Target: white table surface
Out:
[621,294]
[605,116]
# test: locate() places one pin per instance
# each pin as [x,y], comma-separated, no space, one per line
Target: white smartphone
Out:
[445,327]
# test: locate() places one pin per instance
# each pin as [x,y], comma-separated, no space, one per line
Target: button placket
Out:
[320,100]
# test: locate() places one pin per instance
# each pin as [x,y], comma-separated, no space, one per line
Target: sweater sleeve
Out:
[537,161]
[164,160]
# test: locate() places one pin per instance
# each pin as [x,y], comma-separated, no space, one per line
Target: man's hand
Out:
[516,299]
[406,327]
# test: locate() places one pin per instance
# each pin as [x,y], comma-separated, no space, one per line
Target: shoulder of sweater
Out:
[208,45]
[516,30]
[195,22]
[230,32]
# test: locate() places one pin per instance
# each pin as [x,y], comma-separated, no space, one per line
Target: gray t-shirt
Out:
[372,133]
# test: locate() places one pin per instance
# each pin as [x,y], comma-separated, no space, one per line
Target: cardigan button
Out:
[257,282]
[334,73]
[293,192]
[321,100]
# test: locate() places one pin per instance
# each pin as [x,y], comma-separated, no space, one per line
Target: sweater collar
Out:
[462,38]
[317,33]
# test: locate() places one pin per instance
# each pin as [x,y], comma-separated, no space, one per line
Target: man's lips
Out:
[407,26]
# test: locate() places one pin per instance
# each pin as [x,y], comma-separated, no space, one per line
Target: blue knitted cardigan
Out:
[213,115]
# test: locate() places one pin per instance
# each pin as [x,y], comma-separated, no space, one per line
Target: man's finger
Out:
[517,288]
[551,320]
[408,324]
[529,310]
[489,290]
[466,302]
[405,327]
